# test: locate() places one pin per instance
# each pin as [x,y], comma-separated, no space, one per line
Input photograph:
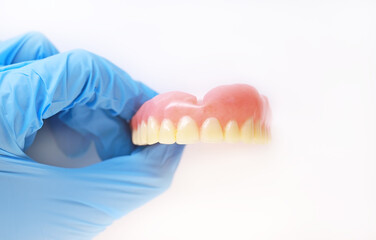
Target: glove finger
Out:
[41,89]
[27,47]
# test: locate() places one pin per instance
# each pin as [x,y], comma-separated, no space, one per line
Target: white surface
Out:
[315,60]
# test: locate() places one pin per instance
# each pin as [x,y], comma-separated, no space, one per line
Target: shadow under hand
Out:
[46,150]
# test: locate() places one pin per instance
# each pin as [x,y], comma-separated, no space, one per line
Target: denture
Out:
[229,113]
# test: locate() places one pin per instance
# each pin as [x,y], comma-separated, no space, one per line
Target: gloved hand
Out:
[93,99]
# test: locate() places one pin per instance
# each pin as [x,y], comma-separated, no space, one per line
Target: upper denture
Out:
[212,119]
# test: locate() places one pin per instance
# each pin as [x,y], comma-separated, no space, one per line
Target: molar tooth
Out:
[258,133]
[211,130]
[153,130]
[247,131]
[265,135]
[187,131]
[138,137]
[232,132]
[143,129]
[167,132]
[134,137]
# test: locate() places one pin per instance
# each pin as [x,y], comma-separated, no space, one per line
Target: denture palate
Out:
[229,113]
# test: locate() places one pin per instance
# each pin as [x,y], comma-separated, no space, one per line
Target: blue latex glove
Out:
[93,100]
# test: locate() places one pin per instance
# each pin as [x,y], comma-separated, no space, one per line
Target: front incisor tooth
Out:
[153,130]
[211,131]
[232,132]
[187,131]
[143,135]
[247,131]
[167,132]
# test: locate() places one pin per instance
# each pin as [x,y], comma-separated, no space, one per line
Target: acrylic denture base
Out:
[229,113]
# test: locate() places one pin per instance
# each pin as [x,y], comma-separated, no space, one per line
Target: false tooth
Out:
[247,131]
[134,136]
[211,131]
[187,131]
[143,129]
[258,133]
[232,133]
[138,137]
[153,130]
[167,132]
[266,138]
[267,134]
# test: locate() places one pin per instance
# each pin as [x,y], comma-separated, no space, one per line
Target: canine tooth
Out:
[143,129]
[187,131]
[232,133]
[153,130]
[247,131]
[211,130]
[167,132]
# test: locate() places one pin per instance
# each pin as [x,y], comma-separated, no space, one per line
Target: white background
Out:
[315,60]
